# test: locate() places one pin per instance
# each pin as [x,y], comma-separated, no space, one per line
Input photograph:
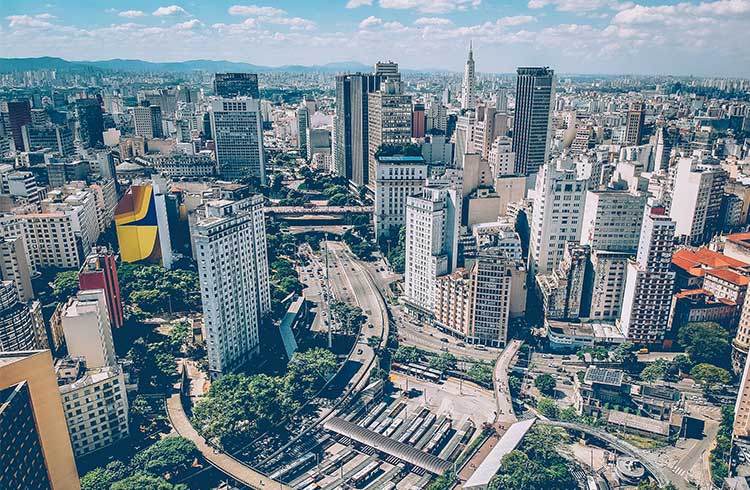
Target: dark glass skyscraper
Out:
[236,85]
[531,126]
[90,121]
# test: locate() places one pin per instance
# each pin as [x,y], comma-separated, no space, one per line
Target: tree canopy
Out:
[546,383]
[706,342]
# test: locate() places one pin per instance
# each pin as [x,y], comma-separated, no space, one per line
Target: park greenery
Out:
[168,458]
[664,369]
[64,285]
[154,362]
[706,342]
[407,354]
[720,454]
[238,408]
[395,250]
[350,317]
[481,373]
[150,289]
[536,464]
[360,240]
[546,384]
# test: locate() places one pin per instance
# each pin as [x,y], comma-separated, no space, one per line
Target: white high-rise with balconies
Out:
[649,282]
[432,226]
[233,266]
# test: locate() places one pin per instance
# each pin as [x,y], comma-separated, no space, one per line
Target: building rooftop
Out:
[491,464]
[603,376]
[632,421]
[742,239]
[91,377]
[695,262]
[704,297]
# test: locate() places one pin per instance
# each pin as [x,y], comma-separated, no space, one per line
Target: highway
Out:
[505,414]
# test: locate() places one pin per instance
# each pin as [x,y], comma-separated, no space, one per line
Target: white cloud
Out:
[255,10]
[45,16]
[190,24]
[430,6]
[578,6]
[170,10]
[432,21]
[514,20]
[353,4]
[130,14]
[294,23]
[371,21]
[26,21]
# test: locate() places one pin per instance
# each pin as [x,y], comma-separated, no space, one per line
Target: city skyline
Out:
[602,37]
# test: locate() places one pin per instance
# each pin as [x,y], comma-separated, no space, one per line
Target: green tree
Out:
[709,375]
[481,373]
[443,362]
[546,384]
[706,342]
[65,285]
[140,407]
[547,407]
[141,481]
[407,354]
[624,353]
[682,363]
[655,370]
[374,342]
[96,479]
[169,455]
[308,371]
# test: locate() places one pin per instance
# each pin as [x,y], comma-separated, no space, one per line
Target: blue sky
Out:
[583,36]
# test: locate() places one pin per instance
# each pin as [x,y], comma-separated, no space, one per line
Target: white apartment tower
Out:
[557,215]
[88,332]
[237,128]
[233,267]
[649,283]
[612,220]
[396,178]
[469,84]
[388,120]
[432,226]
[697,211]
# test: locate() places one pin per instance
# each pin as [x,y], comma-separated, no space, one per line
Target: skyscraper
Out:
[19,115]
[350,141]
[612,220]
[88,332]
[649,281]
[38,454]
[230,240]
[90,122]
[18,330]
[697,191]
[237,128]
[303,124]
[228,85]
[469,83]
[147,120]
[432,227]
[531,127]
[634,127]
[389,121]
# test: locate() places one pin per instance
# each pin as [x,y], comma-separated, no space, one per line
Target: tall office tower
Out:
[58,138]
[229,85]
[95,404]
[387,69]
[36,452]
[90,122]
[237,129]
[418,121]
[501,100]
[665,139]
[233,265]
[148,121]
[88,332]
[397,177]
[502,160]
[18,329]
[389,121]
[649,283]
[612,220]
[634,126]
[469,83]
[18,115]
[698,190]
[535,90]
[53,239]
[99,271]
[303,124]
[557,216]
[436,117]
[350,138]
[432,227]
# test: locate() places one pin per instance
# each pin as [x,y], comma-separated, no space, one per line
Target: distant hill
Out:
[51,63]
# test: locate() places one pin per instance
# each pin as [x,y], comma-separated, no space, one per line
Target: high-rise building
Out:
[649,283]
[469,83]
[18,329]
[607,284]
[90,122]
[557,216]
[741,426]
[15,261]
[501,100]
[531,125]
[147,120]
[19,115]
[397,177]
[51,240]
[58,138]
[698,190]
[634,125]
[230,241]
[95,404]
[418,121]
[36,451]
[561,291]
[99,271]
[228,85]
[88,332]
[665,139]
[389,121]
[432,227]
[303,124]
[612,219]
[350,135]
[237,129]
